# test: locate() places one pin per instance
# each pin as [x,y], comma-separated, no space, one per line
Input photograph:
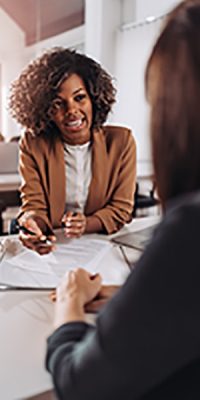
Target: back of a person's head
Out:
[173,90]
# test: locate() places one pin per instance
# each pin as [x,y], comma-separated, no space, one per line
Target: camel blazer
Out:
[111,191]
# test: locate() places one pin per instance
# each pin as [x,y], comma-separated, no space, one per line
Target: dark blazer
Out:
[146,343]
[111,191]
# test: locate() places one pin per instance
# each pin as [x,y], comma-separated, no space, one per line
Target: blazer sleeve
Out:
[119,208]
[147,332]
[33,181]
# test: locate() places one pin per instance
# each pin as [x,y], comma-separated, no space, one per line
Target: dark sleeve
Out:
[148,331]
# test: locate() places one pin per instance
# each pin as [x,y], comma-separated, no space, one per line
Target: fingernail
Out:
[68,224]
[43,237]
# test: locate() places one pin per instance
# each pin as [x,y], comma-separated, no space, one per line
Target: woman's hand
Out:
[105,294]
[74,224]
[37,240]
[77,289]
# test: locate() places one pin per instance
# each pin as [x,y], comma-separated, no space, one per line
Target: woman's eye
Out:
[80,97]
[58,104]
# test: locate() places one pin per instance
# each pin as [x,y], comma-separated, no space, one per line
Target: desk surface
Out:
[9,182]
[26,321]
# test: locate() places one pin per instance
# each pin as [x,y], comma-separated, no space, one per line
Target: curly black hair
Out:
[31,95]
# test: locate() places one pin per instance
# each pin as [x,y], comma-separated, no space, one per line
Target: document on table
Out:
[29,268]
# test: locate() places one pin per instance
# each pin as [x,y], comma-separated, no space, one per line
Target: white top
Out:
[78,172]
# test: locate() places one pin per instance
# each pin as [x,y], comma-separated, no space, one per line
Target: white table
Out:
[26,321]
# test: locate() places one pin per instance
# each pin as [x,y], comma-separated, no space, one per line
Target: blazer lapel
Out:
[57,183]
[98,185]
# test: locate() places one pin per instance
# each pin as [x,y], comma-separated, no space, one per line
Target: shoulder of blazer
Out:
[36,143]
[116,129]
[119,134]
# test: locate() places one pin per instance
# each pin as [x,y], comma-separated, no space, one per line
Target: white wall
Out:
[74,38]
[145,8]
[132,51]
[14,56]
[123,54]
[131,108]
[128,11]
[102,18]
[11,59]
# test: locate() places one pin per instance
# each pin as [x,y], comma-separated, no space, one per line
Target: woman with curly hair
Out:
[145,344]
[75,171]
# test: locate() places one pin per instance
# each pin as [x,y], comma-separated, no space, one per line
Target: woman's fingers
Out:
[91,307]
[52,238]
[37,245]
[31,226]
[105,293]
[95,305]
[77,288]
[74,224]
[108,291]
[79,285]
[33,238]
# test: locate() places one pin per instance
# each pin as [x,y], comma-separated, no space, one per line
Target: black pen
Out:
[26,230]
[4,287]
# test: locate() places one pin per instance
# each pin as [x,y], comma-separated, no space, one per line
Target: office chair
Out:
[142,201]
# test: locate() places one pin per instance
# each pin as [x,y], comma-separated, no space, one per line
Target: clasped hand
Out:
[80,292]
[77,288]
[74,224]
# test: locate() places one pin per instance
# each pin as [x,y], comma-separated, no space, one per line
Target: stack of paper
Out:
[29,268]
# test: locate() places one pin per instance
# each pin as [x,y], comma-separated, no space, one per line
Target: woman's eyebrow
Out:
[59,96]
[78,90]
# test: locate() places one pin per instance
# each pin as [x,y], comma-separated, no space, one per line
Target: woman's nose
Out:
[71,107]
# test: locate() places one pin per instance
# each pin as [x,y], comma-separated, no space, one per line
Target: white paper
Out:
[29,268]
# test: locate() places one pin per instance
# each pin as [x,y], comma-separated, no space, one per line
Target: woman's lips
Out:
[75,124]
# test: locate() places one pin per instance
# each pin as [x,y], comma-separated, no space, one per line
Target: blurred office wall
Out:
[117,34]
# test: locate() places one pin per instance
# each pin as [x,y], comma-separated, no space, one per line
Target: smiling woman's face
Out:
[72,111]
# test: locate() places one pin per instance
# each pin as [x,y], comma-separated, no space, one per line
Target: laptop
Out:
[9,154]
[137,240]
